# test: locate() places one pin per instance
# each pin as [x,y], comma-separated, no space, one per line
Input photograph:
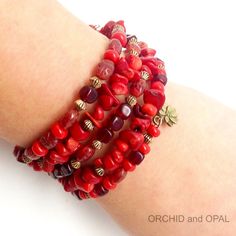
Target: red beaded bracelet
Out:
[129,68]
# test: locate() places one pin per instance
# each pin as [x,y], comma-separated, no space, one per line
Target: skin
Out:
[191,168]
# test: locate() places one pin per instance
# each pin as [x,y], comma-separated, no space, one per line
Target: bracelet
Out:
[126,89]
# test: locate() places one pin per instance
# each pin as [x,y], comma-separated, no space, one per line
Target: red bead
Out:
[118,175]
[124,111]
[28,152]
[122,67]
[137,88]
[133,139]
[107,29]
[161,78]
[48,140]
[154,97]
[158,86]
[147,69]
[128,166]
[112,55]
[100,190]
[94,121]
[93,194]
[59,131]
[160,67]
[38,149]
[115,44]
[37,165]
[142,45]
[106,102]
[58,158]
[119,88]
[107,184]
[118,79]
[72,145]
[18,151]
[134,62]
[105,69]
[85,153]
[105,135]
[145,149]
[62,150]
[121,36]
[133,47]
[146,52]
[69,118]
[80,184]
[137,110]
[47,166]
[136,157]
[140,125]
[97,162]
[78,133]
[149,109]
[153,130]
[122,146]
[88,94]
[115,123]
[89,176]
[117,156]
[109,163]
[105,90]
[98,113]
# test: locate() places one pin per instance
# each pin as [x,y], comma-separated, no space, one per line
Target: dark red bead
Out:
[47,166]
[48,140]
[137,111]
[161,78]
[112,55]
[18,151]
[154,97]
[69,118]
[137,88]
[118,175]
[100,190]
[124,111]
[121,36]
[136,157]
[116,123]
[105,69]
[59,131]
[28,152]
[85,153]
[38,149]
[88,94]
[65,170]
[115,44]
[105,135]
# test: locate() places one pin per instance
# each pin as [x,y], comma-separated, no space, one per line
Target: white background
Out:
[197,41]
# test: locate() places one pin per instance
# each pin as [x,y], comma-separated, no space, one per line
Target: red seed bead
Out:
[158,86]
[89,176]
[119,88]
[134,62]
[107,184]
[48,140]
[58,158]
[85,153]
[59,131]
[72,145]
[84,186]
[137,88]
[124,111]
[88,94]
[117,156]
[97,162]
[153,130]
[128,166]
[115,44]
[109,163]
[61,149]
[28,152]
[149,109]
[140,125]
[69,118]
[118,175]
[98,113]
[133,139]
[105,69]
[122,146]
[121,36]
[145,149]
[112,55]
[38,149]
[78,133]
[154,97]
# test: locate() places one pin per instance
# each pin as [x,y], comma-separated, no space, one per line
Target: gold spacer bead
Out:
[75,164]
[87,195]
[26,160]
[147,138]
[88,125]
[97,144]
[96,82]
[80,105]
[133,40]
[133,52]
[118,27]
[100,171]
[131,100]
[145,75]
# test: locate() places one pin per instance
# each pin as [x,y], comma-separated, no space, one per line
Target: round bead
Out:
[80,105]
[124,111]
[154,97]
[88,125]
[140,125]
[48,140]
[69,118]
[112,55]
[116,123]
[38,149]
[128,166]
[149,109]
[122,146]
[99,171]
[134,62]
[158,86]
[75,164]
[61,149]
[109,163]
[96,82]
[59,131]
[145,149]
[131,100]
[72,145]
[97,144]
[88,94]
[105,135]
[117,156]
[153,131]
[98,113]
[105,69]
[136,157]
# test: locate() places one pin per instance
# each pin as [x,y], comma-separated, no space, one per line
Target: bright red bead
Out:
[107,184]
[85,153]
[84,186]
[106,102]
[134,62]
[145,149]
[119,88]
[153,130]
[118,79]
[89,176]
[122,67]
[59,131]
[139,124]
[105,69]
[158,86]
[137,88]
[58,158]
[98,162]
[154,97]
[38,149]
[61,149]
[149,109]
[69,118]
[72,145]
[128,166]
[118,175]
[109,163]
[115,44]
[117,156]
[98,113]
[122,146]
[121,36]
[112,55]
[78,133]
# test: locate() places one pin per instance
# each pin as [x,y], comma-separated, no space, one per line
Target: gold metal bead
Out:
[88,125]
[100,171]
[97,144]
[147,138]
[133,52]
[80,105]
[118,27]
[133,40]
[87,195]
[131,100]
[157,120]
[75,164]
[96,82]
[26,160]
[144,75]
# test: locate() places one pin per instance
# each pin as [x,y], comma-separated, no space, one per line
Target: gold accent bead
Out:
[75,164]
[157,120]
[80,105]
[87,195]
[96,82]
[147,138]
[97,144]
[100,171]
[26,160]
[88,125]
[133,40]
[133,52]
[144,75]
[118,27]
[131,100]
